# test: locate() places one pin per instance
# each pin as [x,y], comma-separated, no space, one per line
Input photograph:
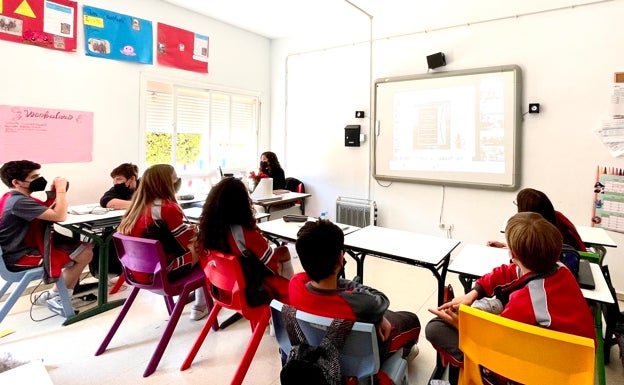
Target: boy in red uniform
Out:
[547,293]
[18,211]
[320,291]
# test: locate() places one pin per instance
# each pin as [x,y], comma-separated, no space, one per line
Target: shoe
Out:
[43,297]
[198,312]
[55,305]
[412,353]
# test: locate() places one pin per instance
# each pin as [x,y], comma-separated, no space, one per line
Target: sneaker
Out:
[43,297]
[55,305]
[412,353]
[198,312]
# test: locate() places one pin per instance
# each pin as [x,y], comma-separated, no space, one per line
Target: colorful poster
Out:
[44,23]
[116,36]
[609,199]
[45,135]
[182,49]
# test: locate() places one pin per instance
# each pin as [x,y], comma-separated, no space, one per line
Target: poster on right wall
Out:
[609,199]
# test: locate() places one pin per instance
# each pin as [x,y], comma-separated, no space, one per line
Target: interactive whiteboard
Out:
[450,128]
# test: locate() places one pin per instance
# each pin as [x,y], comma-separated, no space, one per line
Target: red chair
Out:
[224,274]
[145,267]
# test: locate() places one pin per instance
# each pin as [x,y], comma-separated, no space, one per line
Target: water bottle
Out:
[324,215]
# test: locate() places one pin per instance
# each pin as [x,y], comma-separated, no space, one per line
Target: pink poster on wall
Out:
[45,135]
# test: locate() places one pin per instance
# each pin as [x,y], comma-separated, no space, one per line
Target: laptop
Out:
[585,278]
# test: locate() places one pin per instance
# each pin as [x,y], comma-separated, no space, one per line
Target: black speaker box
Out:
[436,60]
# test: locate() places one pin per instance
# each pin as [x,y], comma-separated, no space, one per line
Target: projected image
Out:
[433,124]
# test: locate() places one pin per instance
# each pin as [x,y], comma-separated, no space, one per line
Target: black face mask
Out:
[264,165]
[177,184]
[38,184]
[122,190]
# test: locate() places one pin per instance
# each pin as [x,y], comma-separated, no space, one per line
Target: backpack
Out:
[313,365]
[571,258]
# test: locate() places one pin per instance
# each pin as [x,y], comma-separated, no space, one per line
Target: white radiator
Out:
[356,212]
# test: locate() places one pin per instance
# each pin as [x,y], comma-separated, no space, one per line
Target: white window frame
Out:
[210,171]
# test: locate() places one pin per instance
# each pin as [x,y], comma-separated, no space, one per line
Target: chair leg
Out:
[166,336]
[212,319]
[120,317]
[256,337]
[120,281]
[13,297]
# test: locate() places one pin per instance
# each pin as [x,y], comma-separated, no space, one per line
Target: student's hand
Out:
[501,245]
[466,299]
[383,329]
[448,315]
[60,184]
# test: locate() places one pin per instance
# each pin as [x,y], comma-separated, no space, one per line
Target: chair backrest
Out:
[144,262]
[295,185]
[520,352]
[358,358]
[226,283]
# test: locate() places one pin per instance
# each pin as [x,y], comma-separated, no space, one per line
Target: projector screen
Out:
[450,128]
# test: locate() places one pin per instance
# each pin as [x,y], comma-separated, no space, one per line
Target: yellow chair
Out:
[523,353]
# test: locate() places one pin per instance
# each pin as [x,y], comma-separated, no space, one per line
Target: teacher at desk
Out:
[271,166]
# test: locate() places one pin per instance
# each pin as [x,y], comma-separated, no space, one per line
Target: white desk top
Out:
[401,244]
[589,235]
[73,219]
[595,236]
[288,230]
[477,260]
[283,198]
[194,213]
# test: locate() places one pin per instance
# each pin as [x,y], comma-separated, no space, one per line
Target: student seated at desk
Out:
[154,207]
[20,227]
[125,182]
[529,199]
[319,291]
[228,225]
[538,289]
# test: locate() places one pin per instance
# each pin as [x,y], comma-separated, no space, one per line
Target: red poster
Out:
[44,23]
[183,49]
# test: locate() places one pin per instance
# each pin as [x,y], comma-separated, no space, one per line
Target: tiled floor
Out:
[68,351]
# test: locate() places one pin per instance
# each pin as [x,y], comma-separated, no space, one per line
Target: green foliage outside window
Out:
[158,149]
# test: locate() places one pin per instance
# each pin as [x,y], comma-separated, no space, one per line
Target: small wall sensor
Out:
[359,114]
[534,108]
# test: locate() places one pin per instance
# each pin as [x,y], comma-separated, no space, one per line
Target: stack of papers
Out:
[87,209]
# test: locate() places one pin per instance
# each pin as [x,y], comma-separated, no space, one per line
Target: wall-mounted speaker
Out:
[436,60]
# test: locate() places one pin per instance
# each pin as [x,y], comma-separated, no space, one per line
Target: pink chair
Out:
[144,264]
[223,273]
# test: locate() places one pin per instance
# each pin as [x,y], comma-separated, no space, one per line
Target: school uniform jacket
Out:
[350,300]
[554,302]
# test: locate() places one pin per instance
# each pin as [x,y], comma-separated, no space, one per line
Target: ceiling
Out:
[294,18]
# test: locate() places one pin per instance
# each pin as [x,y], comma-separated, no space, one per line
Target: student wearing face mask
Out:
[125,182]
[271,166]
[18,228]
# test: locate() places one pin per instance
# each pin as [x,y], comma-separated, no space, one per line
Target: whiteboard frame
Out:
[516,134]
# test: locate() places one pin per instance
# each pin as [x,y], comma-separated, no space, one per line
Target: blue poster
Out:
[115,36]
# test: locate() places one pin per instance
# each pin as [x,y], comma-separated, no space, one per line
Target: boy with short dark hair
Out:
[125,182]
[320,291]
[18,214]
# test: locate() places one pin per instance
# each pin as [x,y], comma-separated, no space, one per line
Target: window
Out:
[198,130]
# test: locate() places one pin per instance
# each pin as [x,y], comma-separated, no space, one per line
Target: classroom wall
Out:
[568,58]
[33,76]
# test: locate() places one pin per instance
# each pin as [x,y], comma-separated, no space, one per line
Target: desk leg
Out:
[600,369]
[359,262]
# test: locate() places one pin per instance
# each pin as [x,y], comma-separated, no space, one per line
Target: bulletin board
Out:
[43,23]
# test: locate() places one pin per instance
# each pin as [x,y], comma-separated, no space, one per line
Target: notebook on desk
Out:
[585,278]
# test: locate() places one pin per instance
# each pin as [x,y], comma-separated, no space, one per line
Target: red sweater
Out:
[554,302]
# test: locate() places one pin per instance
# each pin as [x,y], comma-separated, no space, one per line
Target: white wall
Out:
[568,58]
[33,76]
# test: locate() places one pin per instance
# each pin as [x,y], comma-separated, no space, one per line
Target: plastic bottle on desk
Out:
[323,215]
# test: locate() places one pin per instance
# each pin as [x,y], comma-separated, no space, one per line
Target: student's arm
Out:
[58,213]
[117,204]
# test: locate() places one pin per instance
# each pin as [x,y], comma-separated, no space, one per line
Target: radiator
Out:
[356,212]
